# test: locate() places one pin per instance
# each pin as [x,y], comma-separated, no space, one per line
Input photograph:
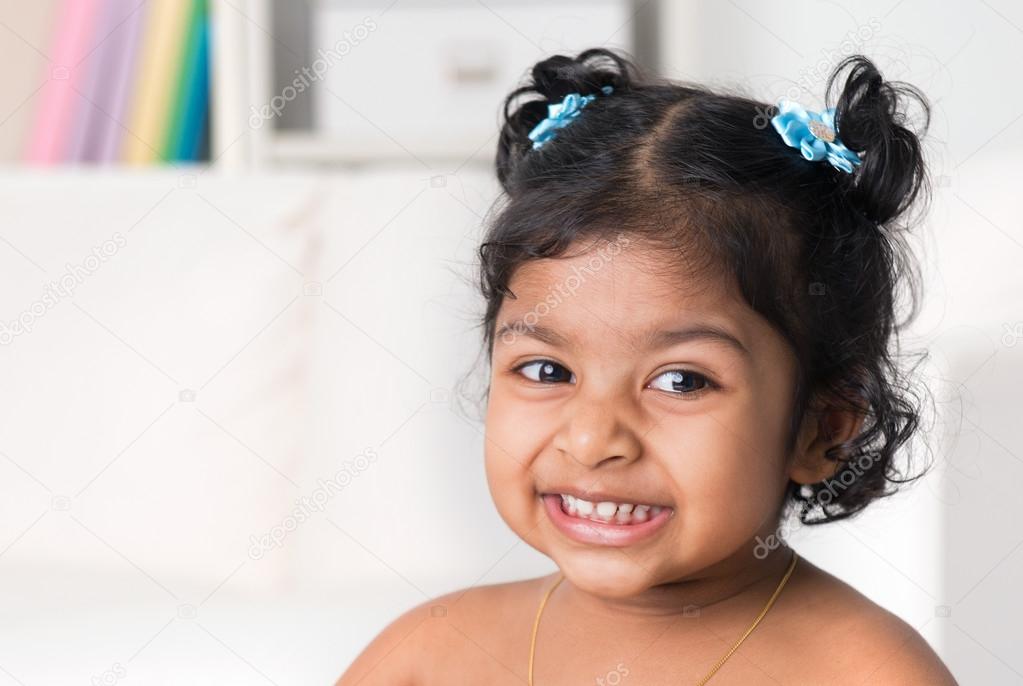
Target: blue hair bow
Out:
[561,114]
[815,135]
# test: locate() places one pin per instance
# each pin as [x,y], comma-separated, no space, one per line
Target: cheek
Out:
[729,468]
[509,450]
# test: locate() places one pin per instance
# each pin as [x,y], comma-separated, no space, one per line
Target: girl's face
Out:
[633,387]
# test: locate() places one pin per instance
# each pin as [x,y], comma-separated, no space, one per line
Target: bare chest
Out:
[612,656]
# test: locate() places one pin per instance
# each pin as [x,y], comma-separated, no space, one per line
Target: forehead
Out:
[631,289]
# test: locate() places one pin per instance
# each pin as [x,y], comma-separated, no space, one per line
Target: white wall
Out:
[313,317]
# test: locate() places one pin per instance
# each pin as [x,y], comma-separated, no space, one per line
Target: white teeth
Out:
[607,511]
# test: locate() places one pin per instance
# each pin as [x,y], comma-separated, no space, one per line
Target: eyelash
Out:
[708,385]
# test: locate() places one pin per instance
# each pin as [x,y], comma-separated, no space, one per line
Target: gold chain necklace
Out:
[704,680]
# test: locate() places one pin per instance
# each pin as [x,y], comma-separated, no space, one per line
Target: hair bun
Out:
[588,72]
[552,79]
[871,117]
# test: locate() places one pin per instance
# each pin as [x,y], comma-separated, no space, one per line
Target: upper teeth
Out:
[605,511]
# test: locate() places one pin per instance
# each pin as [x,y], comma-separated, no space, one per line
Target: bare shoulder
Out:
[480,631]
[854,639]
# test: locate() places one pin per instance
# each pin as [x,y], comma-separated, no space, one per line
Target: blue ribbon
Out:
[809,132]
[561,114]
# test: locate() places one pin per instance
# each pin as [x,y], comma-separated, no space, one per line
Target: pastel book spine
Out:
[154,88]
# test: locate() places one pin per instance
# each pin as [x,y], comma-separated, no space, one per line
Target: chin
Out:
[608,573]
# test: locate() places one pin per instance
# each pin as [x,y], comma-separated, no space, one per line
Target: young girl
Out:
[691,297]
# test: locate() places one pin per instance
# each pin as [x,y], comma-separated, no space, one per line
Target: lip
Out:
[600,533]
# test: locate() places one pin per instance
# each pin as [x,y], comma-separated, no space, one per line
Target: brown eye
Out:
[682,382]
[545,371]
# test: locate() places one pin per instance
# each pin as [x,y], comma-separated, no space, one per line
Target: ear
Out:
[822,428]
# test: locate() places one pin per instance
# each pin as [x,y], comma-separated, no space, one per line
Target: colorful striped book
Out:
[121,50]
[163,45]
[59,99]
[129,82]
[185,131]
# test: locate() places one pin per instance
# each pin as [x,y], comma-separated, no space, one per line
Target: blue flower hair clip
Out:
[561,114]
[815,135]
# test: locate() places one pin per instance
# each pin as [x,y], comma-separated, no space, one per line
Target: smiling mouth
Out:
[605,522]
[607,511]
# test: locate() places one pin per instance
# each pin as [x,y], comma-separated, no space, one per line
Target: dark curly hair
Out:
[819,253]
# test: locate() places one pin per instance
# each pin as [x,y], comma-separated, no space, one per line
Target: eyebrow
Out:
[655,340]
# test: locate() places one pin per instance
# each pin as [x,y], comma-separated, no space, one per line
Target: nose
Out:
[596,428]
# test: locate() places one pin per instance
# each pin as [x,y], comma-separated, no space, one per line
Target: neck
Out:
[730,584]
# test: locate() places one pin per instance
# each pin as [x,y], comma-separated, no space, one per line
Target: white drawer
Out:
[429,78]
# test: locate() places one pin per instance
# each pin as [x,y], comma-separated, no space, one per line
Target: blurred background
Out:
[240,428]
